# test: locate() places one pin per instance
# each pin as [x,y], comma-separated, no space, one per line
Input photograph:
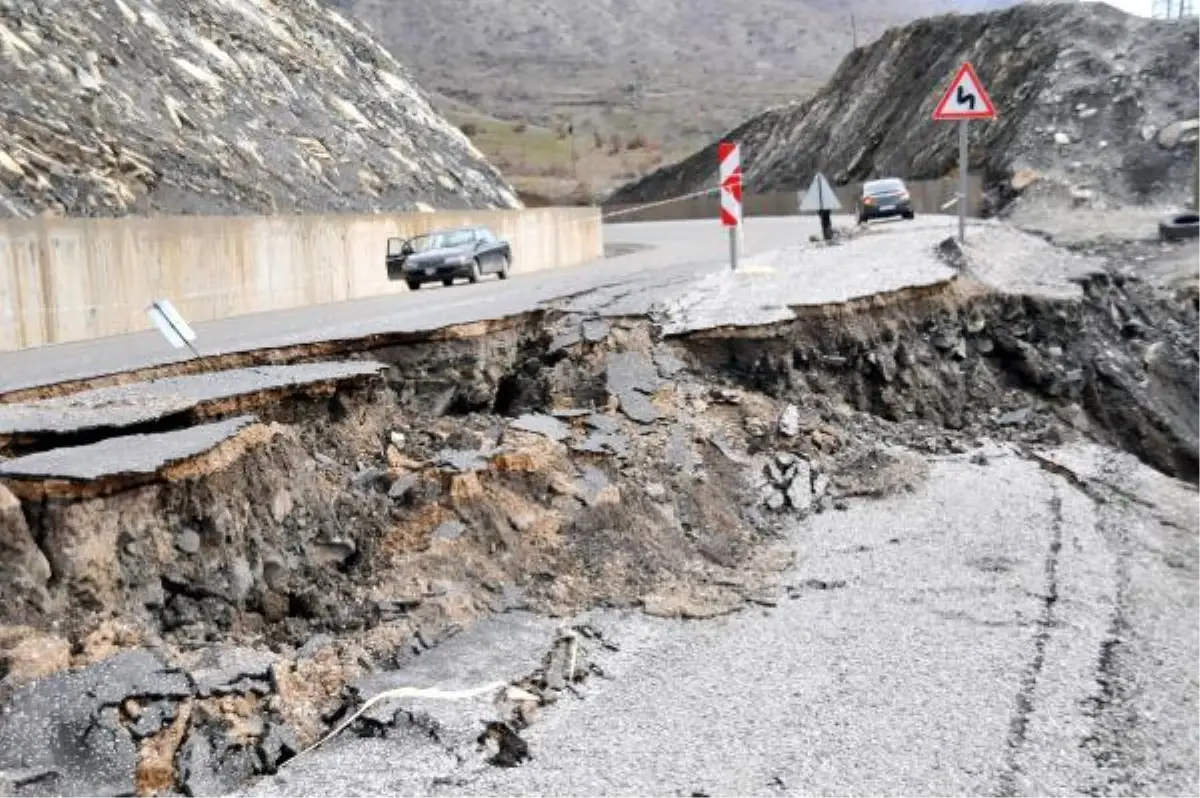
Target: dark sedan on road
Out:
[445,255]
[884,198]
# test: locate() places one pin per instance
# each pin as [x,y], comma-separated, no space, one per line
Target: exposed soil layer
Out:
[549,466]
[1119,366]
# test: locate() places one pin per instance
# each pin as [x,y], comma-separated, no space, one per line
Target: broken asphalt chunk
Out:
[631,371]
[233,671]
[546,426]
[638,408]
[565,340]
[461,460]
[69,723]
[602,443]
[596,330]
[278,745]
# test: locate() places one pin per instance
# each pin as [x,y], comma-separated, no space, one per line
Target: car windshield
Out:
[877,187]
[442,240]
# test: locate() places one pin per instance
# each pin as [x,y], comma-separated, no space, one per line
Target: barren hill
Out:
[217,106]
[1093,104]
[670,69]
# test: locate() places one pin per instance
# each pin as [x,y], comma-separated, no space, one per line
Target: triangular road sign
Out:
[820,196]
[965,99]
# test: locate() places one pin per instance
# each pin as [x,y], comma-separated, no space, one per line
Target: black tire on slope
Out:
[1179,227]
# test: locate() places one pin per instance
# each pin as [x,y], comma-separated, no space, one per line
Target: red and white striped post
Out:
[729,170]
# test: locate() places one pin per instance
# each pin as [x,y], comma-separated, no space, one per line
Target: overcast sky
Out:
[1140,7]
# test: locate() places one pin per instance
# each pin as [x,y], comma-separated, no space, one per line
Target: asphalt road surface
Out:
[1010,628]
[663,253]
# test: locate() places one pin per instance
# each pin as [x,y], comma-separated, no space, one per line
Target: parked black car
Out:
[444,255]
[884,198]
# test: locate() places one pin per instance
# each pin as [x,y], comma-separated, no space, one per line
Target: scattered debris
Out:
[363,532]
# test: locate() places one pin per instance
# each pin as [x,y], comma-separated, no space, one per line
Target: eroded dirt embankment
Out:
[552,464]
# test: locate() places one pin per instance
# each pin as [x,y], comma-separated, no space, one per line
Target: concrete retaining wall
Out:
[928,196]
[73,279]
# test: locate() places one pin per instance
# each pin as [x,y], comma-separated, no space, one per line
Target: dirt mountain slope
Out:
[1092,102]
[217,106]
[674,70]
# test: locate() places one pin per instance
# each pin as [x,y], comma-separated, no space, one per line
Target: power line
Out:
[1173,9]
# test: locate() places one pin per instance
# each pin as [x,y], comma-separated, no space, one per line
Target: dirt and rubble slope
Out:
[669,69]
[218,107]
[199,591]
[1095,105]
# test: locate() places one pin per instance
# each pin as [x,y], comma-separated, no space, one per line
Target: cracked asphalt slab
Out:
[1014,626]
[670,258]
[128,405]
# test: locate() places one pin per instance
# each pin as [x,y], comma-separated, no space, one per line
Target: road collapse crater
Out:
[278,532]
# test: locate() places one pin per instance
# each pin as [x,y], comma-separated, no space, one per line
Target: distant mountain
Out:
[679,69]
[1088,113]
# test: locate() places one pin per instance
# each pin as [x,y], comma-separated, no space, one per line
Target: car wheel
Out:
[1179,227]
[474,276]
[910,216]
[503,273]
[413,285]
[447,281]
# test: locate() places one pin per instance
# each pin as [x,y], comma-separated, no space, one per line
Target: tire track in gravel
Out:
[1023,710]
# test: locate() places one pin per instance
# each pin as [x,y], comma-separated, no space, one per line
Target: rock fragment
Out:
[789,421]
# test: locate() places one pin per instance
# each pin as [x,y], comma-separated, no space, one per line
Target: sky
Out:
[1139,7]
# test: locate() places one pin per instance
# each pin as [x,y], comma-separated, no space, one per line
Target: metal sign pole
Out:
[733,246]
[962,180]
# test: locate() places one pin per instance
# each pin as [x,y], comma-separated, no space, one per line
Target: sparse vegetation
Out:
[553,166]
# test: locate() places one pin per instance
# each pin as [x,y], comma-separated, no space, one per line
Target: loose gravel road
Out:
[1013,627]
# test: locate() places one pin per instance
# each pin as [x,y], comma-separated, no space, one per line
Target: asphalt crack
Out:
[1019,722]
[1111,715]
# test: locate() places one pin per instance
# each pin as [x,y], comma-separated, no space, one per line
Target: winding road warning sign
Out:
[965,99]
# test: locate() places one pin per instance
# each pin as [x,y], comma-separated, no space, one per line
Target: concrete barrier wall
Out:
[74,279]
[928,196]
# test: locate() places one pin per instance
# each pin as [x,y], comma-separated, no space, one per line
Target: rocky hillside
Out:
[1093,104]
[111,107]
[674,70]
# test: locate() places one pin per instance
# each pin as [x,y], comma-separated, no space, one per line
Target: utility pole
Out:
[853,32]
[1173,9]
[571,145]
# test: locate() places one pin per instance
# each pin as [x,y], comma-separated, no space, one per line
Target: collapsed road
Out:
[893,515]
[320,330]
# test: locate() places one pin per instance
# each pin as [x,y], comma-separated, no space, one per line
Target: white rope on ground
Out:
[668,201]
[401,692]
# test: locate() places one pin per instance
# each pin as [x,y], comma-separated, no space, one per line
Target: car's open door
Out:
[398,250]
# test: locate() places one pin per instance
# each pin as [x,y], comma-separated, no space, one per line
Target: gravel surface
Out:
[1005,629]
